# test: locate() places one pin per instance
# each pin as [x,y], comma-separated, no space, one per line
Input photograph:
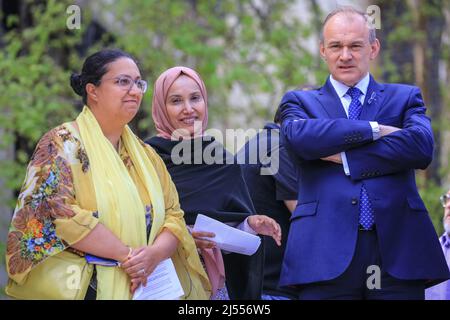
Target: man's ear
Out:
[322,51]
[375,49]
[91,91]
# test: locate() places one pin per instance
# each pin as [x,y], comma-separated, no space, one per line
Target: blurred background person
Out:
[441,291]
[271,178]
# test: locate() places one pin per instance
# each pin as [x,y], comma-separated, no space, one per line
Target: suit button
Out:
[354,201]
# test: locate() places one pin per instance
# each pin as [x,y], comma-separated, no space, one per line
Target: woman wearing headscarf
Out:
[92,187]
[207,181]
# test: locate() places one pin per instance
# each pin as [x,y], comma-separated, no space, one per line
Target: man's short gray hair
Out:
[349,10]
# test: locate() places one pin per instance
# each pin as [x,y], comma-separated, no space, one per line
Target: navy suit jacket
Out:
[324,226]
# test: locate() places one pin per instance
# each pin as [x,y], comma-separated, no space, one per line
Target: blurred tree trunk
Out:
[317,21]
[428,58]
[397,44]
[411,38]
[445,135]
[6,151]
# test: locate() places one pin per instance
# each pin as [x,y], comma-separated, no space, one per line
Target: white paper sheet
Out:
[162,284]
[228,238]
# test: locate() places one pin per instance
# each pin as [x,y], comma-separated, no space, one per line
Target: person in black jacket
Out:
[206,182]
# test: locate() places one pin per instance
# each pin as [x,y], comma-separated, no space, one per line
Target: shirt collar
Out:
[341,89]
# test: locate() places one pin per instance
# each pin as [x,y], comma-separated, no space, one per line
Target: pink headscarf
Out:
[162,86]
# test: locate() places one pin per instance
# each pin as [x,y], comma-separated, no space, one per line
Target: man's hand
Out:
[385,130]
[336,158]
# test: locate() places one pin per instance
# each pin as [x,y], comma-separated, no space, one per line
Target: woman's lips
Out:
[189,121]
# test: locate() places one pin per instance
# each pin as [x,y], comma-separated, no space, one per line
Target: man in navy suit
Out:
[360,229]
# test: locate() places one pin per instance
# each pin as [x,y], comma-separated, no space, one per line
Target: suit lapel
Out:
[372,102]
[330,101]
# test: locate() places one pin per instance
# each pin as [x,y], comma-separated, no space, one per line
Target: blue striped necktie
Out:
[366,214]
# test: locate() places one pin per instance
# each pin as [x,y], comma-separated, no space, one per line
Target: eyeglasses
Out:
[126,83]
[444,199]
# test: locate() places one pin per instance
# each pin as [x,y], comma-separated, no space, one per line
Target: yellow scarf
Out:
[122,211]
[119,205]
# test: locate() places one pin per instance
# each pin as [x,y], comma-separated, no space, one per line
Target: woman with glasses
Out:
[207,182]
[94,189]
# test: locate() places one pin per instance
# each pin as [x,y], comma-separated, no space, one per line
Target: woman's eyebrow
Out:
[127,75]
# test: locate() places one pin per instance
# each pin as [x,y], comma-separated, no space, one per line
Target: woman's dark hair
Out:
[94,67]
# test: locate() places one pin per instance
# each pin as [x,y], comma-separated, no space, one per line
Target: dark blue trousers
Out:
[360,283]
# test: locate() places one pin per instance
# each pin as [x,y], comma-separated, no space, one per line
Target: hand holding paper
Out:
[228,238]
[162,284]
[204,239]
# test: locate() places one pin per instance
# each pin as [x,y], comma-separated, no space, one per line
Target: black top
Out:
[271,178]
[208,182]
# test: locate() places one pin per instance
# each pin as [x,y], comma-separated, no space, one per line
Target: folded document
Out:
[228,238]
[162,284]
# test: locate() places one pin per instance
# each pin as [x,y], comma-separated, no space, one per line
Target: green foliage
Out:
[34,73]
[256,47]
[430,194]
[230,43]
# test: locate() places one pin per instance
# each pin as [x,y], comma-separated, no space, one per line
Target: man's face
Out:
[346,48]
